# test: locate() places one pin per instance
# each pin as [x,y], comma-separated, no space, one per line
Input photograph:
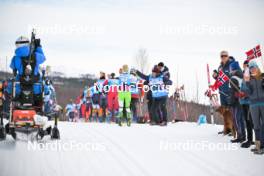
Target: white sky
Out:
[90,36]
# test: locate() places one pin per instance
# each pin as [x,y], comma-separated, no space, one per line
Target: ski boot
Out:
[120,118]
[120,123]
[163,124]
[259,152]
[257,147]
[129,119]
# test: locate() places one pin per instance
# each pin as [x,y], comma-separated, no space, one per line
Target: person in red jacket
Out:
[112,97]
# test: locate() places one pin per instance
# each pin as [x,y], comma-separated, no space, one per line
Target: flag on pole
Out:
[254,53]
[221,80]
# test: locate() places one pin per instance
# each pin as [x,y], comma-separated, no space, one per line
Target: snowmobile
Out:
[26,114]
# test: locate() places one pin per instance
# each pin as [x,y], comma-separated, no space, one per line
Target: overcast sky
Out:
[90,36]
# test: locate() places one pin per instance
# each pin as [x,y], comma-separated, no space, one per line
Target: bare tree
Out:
[141,60]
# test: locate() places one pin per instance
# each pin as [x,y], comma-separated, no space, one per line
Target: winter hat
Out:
[22,41]
[161,64]
[246,62]
[234,66]
[253,64]
[224,53]
[125,68]
[155,69]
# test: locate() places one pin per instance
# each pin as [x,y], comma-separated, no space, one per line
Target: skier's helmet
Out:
[22,41]
[112,75]
[125,68]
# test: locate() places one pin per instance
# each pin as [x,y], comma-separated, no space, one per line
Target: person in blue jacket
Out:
[156,83]
[226,61]
[70,110]
[21,58]
[26,68]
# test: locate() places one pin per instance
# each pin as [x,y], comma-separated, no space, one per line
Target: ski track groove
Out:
[127,155]
[89,165]
[114,156]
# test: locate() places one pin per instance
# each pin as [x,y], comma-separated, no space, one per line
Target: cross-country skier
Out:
[112,97]
[160,93]
[88,105]
[100,86]
[136,95]
[70,110]
[95,102]
[124,96]
[49,98]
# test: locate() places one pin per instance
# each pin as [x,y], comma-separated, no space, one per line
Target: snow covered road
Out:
[102,149]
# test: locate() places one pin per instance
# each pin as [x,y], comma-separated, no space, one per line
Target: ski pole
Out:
[211,104]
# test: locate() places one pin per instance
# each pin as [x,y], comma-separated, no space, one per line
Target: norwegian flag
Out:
[254,53]
[221,80]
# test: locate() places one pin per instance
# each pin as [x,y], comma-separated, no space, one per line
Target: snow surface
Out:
[139,150]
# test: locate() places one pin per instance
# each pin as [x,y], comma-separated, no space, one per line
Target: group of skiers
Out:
[119,99]
[242,91]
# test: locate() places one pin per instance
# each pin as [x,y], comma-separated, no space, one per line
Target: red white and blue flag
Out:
[222,78]
[254,53]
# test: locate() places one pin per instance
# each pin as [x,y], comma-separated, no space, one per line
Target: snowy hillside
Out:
[103,149]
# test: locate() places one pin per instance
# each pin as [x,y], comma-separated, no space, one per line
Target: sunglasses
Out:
[224,56]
